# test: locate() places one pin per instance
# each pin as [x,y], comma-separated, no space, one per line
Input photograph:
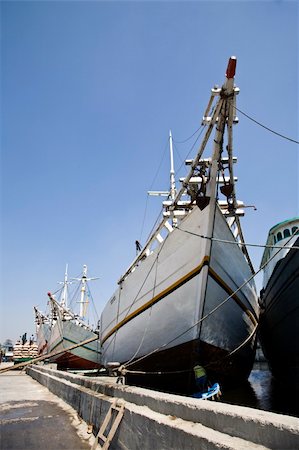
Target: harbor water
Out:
[262,391]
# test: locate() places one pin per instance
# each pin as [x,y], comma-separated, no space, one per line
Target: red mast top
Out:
[231,67]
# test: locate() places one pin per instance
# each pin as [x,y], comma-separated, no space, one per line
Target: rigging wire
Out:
[182,163]
[202,129]
[144,217]
[152,183]
[239,243]
[178,153]
[156,221]
[162,159]
[138,292]
[95,313]
[267,128]
[150,313]
[74,296]
[58,290]
[185,140]
[160,164]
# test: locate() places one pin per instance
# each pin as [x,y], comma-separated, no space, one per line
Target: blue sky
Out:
[89,91]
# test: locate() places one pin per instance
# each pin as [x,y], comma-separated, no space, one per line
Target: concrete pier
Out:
[32,418]
[155,420]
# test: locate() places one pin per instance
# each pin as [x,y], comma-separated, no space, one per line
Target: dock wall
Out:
[158,420]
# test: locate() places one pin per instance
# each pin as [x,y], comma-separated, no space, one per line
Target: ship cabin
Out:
[283,234]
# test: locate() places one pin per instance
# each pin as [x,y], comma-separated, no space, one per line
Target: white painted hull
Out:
[159,304]
[66,334]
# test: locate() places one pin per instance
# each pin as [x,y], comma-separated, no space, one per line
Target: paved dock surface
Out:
[31,418]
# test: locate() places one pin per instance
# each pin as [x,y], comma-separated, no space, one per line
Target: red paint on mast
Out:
[231,67]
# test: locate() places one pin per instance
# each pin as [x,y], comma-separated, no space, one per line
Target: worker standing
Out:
[201,379]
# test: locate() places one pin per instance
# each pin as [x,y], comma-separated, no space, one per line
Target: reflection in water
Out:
[262,391]
[274,396]
[261,382]
[243,395]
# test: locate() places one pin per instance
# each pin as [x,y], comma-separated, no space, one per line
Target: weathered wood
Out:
[107,439]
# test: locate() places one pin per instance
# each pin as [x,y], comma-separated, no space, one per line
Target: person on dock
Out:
[24,338]
[201,379]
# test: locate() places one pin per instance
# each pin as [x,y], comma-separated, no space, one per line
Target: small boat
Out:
[279,301]
[212,392]
[63,328]
[189,295]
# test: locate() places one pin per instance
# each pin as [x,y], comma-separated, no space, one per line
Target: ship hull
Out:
[66,334]
[172,370]
[43,335]
[173,311]
[279,319]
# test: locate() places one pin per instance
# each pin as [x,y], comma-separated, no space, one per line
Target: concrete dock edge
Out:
[158,420]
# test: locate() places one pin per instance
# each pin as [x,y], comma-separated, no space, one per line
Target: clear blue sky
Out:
[89,91]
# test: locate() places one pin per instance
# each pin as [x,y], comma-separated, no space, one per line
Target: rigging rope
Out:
[239,243]
[96,316]
[152,183]
[202,129]
[136,296]
[143,220]
[185,140]
[150,313]
[267,128]
[160,164]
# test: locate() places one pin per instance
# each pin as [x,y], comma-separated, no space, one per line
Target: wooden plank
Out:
[114,427]
[112,431]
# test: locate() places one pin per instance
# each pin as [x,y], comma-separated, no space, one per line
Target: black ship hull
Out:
[279,319]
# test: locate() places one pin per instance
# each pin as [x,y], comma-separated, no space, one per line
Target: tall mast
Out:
[172,191]
[83,289]
[172,173]
[83,302]
[227,96]
[65,282]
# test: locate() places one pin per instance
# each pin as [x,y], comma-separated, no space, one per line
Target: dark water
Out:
[262,391]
